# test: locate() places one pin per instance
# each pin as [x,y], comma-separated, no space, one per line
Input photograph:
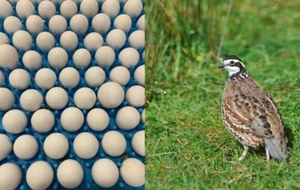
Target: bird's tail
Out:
[277,149]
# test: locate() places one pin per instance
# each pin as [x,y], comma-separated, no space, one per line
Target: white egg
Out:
[24,8]
[12,24]
[35,24]
[123,22]
[85,145]
[133,7]
[7,99]
[93,41]
[56,146]
[129,57]
[101,23]
[32,60]
[72,119]
[94,76]
[69,40]
[138,143]
[25,147]
[111,8]
[57,58]
[6,9]
[120,75]
[105,56]
[45,78]
[22,40]
[19,79]
[70,174]
[31,100]
[89,8]
[85,98]
[79,24]
[110,95]
[143,116]
[113,143]
[46,9]
[128,118]
[5,148]
[137,39]
[9,56]
[141,23]
[42,121]
[45,41]
[139,75]
[135,96]
[116,38]
[3,38]
[57,98]
[82,58]
[10,176]
[57,24]
[14,121]
[68,8]
[133,172]
[97,119]
[69,77]
[105,173]
[39,175]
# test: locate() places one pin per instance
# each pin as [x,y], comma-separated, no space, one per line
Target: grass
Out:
[187,144]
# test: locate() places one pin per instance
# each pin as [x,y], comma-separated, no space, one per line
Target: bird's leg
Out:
[268,155]
[246,148]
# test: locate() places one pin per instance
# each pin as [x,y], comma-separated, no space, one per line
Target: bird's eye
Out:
[231,62]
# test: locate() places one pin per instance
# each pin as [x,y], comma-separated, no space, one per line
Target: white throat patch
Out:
[232,70]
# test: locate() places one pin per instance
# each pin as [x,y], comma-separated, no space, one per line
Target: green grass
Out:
[187,144]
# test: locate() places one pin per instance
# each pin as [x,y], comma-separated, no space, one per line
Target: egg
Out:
[12,24]
[111,8]
[97,119]
[79,24]
[123,22]
[138,143]
[113,143]
[85,145]
[24,8]
[34,24]
[69,40]
[129,57]
[45,41]
[57,58]
[25,147]
[139,75]
[84,98]
[22,40]
[57,98]
[14,121]
[56,146]
[135,96]
[105,173]
[141,23]
[46,9]
[127,118]
[94,76]
[89,8]
[120,75]
[105,56]
[81,58]
[133,7]
[116,38]
[10,176]
[132,172]
[69,77]
[19,79]
[6,9]
[39,175]
[45,78]
[32,60]
[7,99]
[137,39]
[42,121]
[101,23]
[57,24]
[3,38]
[110,95]
[68,8]
[72,119]
[6,147]
[93,41]
[9,56]
[143,116]
[2,79]
[31,100]
[70,174]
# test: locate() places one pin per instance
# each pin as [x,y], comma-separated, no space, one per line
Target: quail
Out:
[250,114]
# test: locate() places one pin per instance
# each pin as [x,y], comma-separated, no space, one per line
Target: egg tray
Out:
[87,164]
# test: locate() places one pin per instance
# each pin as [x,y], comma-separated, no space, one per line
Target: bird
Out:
[250,114]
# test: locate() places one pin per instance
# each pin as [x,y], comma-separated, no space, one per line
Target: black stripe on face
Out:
[231,57]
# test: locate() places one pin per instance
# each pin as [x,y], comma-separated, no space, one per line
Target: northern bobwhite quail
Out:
[250,114]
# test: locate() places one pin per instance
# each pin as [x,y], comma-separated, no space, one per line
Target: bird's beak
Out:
[221,65]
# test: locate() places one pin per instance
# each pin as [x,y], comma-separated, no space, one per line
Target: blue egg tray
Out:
[86,164]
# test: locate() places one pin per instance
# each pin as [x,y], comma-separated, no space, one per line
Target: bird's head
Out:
[233,65]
